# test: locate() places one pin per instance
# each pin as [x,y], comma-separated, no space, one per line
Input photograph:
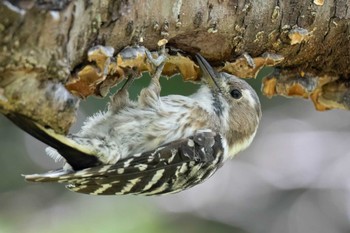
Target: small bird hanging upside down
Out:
[155,145]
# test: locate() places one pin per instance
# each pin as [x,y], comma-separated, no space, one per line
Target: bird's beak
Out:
[208,73]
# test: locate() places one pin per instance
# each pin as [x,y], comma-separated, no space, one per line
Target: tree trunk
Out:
[44,44]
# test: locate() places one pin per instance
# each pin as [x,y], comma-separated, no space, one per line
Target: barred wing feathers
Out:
[168,169]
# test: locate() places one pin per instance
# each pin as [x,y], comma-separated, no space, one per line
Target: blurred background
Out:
[294,178]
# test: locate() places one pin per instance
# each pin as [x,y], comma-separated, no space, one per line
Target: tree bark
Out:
[44,44]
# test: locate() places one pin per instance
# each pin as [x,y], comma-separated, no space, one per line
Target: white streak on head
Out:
[248,95]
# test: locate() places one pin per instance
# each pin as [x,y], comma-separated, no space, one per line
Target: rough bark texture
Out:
[44,42]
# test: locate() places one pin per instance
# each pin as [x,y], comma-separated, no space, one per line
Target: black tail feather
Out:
[74,157]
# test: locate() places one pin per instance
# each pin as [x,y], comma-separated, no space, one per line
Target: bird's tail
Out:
[77,156]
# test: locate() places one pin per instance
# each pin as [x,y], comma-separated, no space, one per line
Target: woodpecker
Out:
[157,144]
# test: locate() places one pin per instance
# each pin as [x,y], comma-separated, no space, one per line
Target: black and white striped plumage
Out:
[156,145]
[168,169]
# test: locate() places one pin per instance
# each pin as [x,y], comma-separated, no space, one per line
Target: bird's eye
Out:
[236,94]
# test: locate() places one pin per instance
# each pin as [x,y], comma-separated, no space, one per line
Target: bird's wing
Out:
[170,168]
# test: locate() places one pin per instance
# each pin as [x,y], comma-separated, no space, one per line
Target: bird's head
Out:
[236,104]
